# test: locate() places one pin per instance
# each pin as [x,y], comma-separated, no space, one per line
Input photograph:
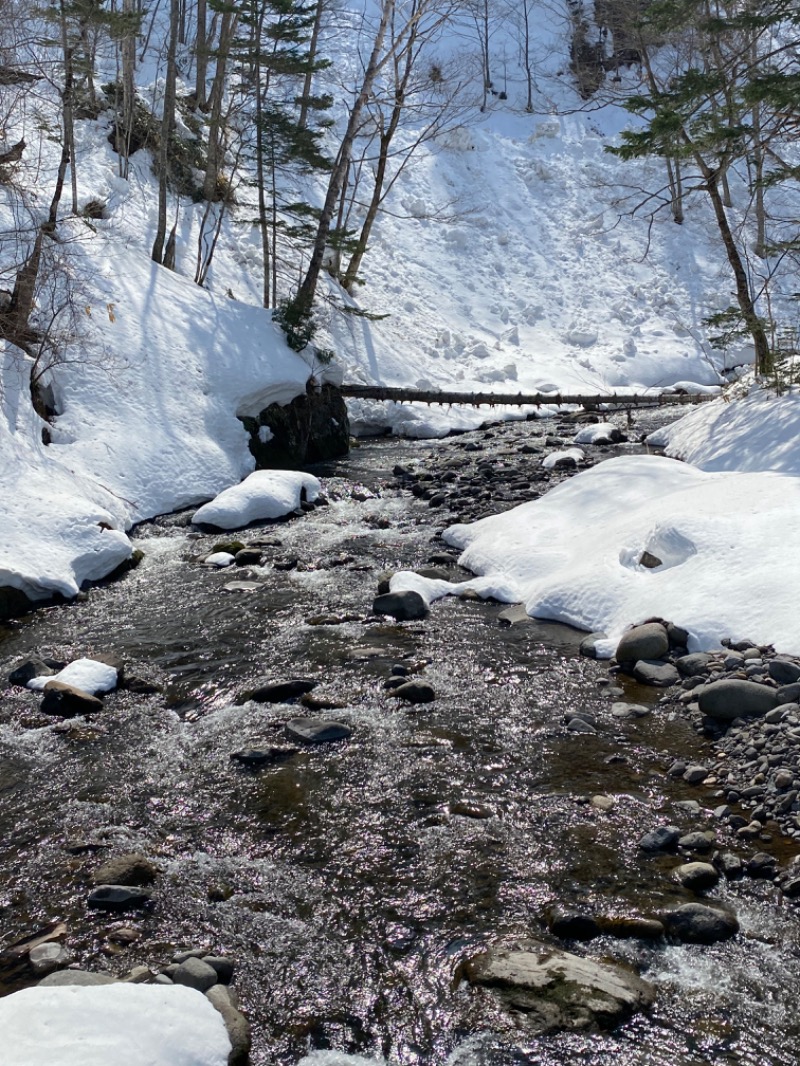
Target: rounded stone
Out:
[694,923]
[696,876]
[732,698]
[648,641]
[194,973]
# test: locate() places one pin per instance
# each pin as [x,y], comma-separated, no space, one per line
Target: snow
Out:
[566,455]
[599,433]
[129,1025]
[724,541]
[264,494]
[88,675]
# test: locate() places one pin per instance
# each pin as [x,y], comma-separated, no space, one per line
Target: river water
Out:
[348,881]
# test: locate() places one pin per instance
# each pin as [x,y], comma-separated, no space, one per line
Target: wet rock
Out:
[572,925]
[695,774]
[133,869]
[788,693]
[629,710]
[75,977]
[580,725]
[242,586]
[44,958]
[556,990]
[631,927]
[194,973]
[694,923]
[784,671]
[118,898]
[648,641]
[656,673]
[415,692]
[222,966]
[404,606]
[762,866]
[28,669]
[247,557]
[278,691]
[68,701]
[588,645]
[235,1022]
[255,757]
[695,665]
[697,841]
[665,838]
[731,698]
[316,730]
[730,866]
[696,876]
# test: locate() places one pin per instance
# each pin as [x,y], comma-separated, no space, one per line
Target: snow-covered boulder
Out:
[127,1024]
[265,494]
[88,675]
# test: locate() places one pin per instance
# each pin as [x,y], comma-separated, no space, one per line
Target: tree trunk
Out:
[305,297]
[67,104]
[128,56]
[312,55]
[167,124]
[216,99]
[201,55]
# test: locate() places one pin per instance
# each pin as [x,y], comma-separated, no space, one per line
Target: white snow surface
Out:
[127,1025]
[726,542]
[88,675]
[264,494]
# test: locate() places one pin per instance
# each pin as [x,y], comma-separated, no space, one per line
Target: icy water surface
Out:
[349,881]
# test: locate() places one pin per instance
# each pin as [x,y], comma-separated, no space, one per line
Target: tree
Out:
[713,113]
[161,253]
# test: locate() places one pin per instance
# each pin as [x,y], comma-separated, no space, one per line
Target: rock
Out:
[629,710]
[118,898]
[694,923]
[579,725]
[255,757]
[313,428]
[588,646]
[194,973]
[139,975]
[697,841]
[316,730]
[557,990]
[648,641]
[514,616]
[731,698]
[572,925]
[762,866]
[247,557]
[632,928]
[235,1022]
[28,669]
[415,692]
[788,693]
[654,672]
[677,635]
[46,957]
[133,869]
[604,803]
[784,671]
[404,606]
[729,865]
[68,701]
[665,838]
[695,665]
[75,977]
[695,774]
[222,966]
[278,691]
[696,876]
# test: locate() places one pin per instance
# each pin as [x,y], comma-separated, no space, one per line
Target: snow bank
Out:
[127,1025]
[264,494]
[725,541]
[758,432]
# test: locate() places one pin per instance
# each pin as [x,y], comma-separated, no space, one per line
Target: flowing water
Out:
[350,880]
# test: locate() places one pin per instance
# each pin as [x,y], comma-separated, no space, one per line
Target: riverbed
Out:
[349,881]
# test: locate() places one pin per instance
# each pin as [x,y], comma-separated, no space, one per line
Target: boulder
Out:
[28,669]
[656,673]
[731,698]
[133,869]
[68,701]
[404,606]
[194,973]
[696,876]
[588,646]
[75,977]
[118,898]
[316,730]
[784,671]
[665,838]
[695,665]
[235,1022]
[278,691]
[557,990]
[694,923]
[415,692]
[648,641]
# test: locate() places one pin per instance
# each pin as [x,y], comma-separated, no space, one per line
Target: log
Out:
[536,399]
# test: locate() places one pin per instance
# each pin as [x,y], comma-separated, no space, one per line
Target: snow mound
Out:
[264,494]
[574,555]
[600,433]
[758,432]
[129,1025]
[551,461]
[88,675]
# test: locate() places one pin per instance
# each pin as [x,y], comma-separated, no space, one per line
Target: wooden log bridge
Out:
[520,399]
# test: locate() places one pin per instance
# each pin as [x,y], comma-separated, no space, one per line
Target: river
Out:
[348,881]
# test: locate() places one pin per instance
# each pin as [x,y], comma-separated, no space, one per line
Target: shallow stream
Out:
[349,880]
